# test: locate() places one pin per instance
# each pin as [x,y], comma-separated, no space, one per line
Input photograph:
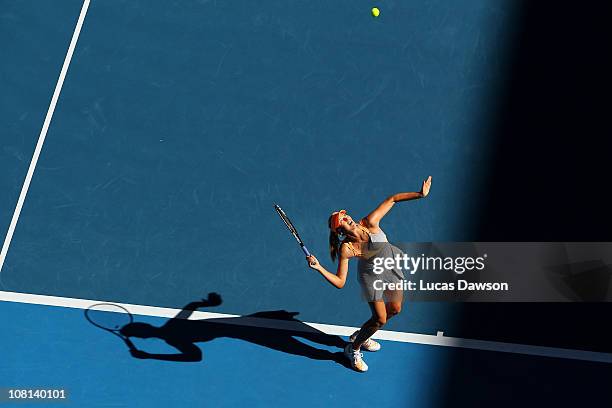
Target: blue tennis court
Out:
[178,126]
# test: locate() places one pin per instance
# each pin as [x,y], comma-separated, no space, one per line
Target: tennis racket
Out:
[292,229]
[110,317]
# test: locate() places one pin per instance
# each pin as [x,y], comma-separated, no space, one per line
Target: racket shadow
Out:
[278,330]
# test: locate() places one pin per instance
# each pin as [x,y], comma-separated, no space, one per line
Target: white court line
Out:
[43,135]
[434,340]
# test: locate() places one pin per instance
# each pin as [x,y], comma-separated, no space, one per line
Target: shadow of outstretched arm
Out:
[214,299]
[189,352]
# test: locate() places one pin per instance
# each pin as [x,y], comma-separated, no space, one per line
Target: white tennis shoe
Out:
[369,345]
[356,358]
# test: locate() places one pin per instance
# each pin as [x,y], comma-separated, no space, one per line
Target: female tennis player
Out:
[367,242]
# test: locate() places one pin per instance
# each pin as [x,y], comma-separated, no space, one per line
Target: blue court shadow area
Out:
[58,348]
[181,124]
[34,38]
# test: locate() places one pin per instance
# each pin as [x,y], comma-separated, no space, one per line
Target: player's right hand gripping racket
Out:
[292,229]
[112,318]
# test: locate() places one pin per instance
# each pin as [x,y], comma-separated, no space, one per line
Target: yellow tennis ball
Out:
[375,12]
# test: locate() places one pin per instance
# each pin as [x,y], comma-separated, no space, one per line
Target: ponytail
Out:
[334,242]
[334,245]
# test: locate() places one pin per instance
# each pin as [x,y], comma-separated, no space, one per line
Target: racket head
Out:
[108,316]
[286,220]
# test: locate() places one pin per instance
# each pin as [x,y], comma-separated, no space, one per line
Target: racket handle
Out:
[305,250]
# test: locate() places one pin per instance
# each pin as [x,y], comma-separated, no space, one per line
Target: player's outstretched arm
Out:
[373,219]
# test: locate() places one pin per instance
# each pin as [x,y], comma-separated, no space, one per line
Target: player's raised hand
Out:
[426,186]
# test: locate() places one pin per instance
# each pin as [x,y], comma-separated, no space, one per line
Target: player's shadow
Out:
[278,330]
